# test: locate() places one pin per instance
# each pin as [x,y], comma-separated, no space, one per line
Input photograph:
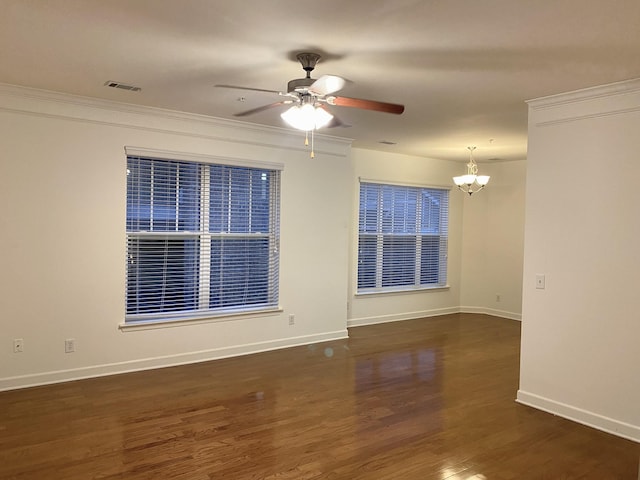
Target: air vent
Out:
[387,142]
[123,86]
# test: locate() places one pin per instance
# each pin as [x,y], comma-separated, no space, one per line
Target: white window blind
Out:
[402,240]
[202,239]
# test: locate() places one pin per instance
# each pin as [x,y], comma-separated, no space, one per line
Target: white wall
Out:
[62,242]
[580,354]
[493,242]
[403,169]
[62,198]
[485,240]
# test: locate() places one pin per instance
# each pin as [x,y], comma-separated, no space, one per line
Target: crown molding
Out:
[45,103]
[612,89]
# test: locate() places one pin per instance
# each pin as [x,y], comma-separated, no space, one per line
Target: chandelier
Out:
[471,182]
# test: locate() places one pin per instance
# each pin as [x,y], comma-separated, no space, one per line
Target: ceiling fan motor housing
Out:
[308,62]
[300,85]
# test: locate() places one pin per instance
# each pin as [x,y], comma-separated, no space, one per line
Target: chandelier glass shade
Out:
[306,117]
[471,182]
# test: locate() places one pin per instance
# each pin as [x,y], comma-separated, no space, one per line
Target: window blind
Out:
[202,239]
[403,237]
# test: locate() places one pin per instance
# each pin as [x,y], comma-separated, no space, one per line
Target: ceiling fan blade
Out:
[262,108]
[327,84]
[366,104]
[248,88]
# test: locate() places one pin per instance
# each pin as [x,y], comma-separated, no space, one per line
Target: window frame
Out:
[205,239]
[418,235]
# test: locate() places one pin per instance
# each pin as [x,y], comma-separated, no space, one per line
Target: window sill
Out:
[401,291]
[181,322]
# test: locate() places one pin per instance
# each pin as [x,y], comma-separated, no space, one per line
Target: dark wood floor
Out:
[420,399]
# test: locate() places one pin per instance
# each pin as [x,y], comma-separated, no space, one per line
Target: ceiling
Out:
[462,68]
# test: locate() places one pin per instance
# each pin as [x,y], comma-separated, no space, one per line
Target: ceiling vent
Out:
[123,86]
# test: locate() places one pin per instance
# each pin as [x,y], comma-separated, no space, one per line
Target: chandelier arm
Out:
[466,188]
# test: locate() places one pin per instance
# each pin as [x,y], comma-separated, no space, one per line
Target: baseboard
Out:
[397,317]
[59,376]
[493,312]
[584,417]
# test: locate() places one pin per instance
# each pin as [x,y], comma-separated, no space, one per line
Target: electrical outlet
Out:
[69,345]
[540,281]
[18,345]
[498,297]
[292,319]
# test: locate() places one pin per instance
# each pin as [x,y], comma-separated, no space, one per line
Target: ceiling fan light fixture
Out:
[306,117]
[322,117]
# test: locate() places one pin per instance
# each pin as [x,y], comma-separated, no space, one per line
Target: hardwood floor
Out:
[420,399]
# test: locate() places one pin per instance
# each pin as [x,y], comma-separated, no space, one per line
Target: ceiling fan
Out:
[308,98]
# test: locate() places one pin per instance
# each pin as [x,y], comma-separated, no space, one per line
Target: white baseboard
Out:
[59,376]
[584,417]
[493,312]
[397,317]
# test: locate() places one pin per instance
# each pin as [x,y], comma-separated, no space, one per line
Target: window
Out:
[202,239]
[402,239]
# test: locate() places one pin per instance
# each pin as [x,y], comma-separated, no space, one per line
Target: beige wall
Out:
[580,334]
